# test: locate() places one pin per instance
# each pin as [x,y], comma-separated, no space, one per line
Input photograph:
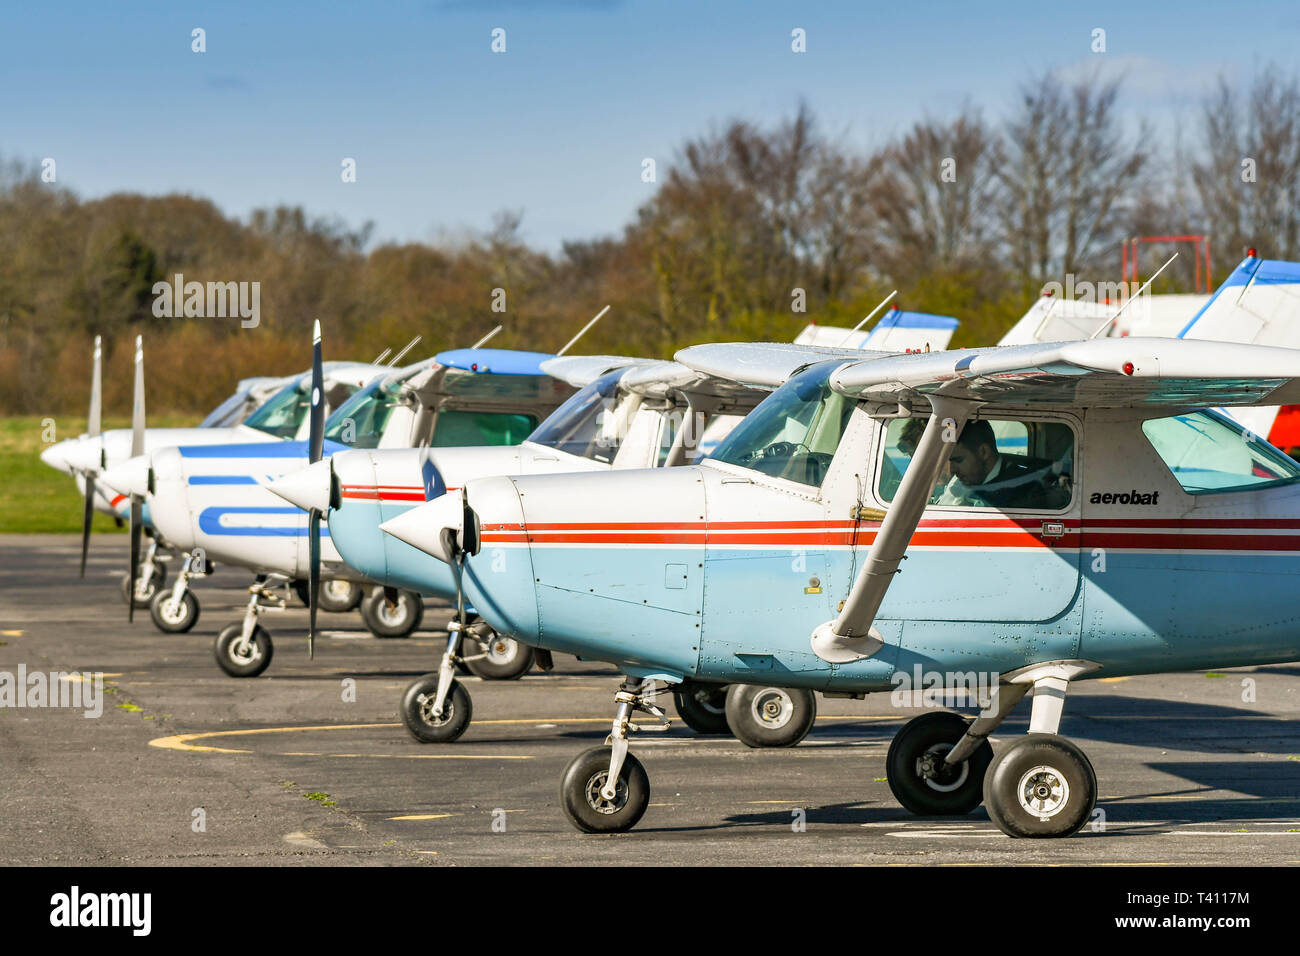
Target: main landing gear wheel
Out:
[392,620]
[145,587]
[506,658]
[171,616]
[702,707]
[337,597]
[770,716]
[243,660]
[1042,785]
[919,778]
[417,711]
[588,809]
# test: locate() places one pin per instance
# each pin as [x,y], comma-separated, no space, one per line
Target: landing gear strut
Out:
[149,578]
[605,789]
[177,610]
[1041,785]
[244,650]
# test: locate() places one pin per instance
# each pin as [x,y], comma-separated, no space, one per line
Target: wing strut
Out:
[851,636]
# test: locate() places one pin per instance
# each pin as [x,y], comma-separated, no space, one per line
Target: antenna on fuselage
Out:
[409,345]
[883,302]
[381,356]
[1107,324]
[483,341]
[569,344]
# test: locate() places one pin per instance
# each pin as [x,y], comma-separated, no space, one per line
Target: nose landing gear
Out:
[245,649]
[605,789]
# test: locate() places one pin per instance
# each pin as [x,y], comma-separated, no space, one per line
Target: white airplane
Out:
[897,331]
[212,500]
[281,411]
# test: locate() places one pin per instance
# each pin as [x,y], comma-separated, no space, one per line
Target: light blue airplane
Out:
[1014,518]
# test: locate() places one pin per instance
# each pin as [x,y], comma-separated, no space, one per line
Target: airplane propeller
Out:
[93,429]
[316,441]
[137,449]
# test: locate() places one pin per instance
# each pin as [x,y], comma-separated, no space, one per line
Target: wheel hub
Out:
[773,708]
[938,775]
[597,802]
[244,652]
[426,702]
[392,615]
[1043,792]
[502,650]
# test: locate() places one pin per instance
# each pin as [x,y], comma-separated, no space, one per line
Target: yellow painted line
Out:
[428,852]
[425,816]
[183,742]
[754,803]
[18,633]
[1113,680]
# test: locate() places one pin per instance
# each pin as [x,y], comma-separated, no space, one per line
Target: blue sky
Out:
[445,132]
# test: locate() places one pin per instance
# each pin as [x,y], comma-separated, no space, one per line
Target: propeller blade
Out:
[313,580]
[86,517]
[95,421]
[317,434]
[137,409]
[137,531]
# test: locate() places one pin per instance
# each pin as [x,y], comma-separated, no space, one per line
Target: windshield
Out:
[793,434]
[359,422]
[588,424]
[1209,452]
[228,413]
[282,414]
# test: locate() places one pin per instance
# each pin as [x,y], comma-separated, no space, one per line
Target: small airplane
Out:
[1039,514]
[628,413]
[260,410]
[212,501]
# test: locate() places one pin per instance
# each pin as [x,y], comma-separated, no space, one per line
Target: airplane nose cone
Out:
[425,526]
[84,454]
[131,477]
[307,488]
[56,456]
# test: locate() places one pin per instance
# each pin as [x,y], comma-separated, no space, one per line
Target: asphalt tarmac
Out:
[309,763]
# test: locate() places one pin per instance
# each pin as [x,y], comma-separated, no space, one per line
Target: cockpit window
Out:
[282,414]
[459,429]
[359,422]
[1209,453]
[794,433]
[592,423]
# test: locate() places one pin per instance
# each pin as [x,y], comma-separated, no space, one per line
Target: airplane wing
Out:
[760,364]
[582,370]
[1101,373]
[657,379]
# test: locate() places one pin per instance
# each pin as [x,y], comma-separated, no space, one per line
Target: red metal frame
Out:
[1200,245]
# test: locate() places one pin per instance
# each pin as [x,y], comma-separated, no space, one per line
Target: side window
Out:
[999,463]
[1207,452]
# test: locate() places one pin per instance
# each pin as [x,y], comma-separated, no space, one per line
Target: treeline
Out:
[964,215]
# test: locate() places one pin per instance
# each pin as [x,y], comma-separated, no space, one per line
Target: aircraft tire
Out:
[702,707]
[401,621]
[508,659]
[1042,785]
[762,716]
[417,702]
[915,773]
[580,793]
[155,583]
[243,666]
[174,620]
